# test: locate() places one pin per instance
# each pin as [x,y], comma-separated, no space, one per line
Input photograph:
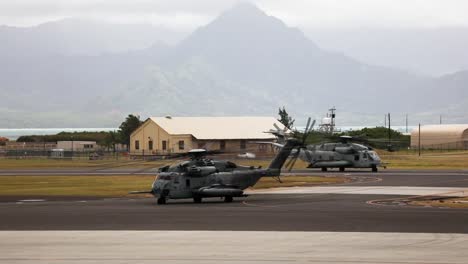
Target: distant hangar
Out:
[172,135]
[441,137]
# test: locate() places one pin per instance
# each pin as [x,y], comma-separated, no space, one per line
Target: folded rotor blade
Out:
[306,131]
[294,159]
[277,127]
[312,126]
[293,163]
[308,155]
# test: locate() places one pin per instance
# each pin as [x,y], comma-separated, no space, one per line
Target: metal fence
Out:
[459,145]
[64,154]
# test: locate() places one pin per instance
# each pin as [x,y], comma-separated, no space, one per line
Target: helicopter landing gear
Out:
[324,169]
[341,169]
[197,199]
[228,199]
[162,200]
[374,168]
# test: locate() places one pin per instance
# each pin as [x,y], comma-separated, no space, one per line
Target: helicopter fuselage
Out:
[340,155]
[209,182]
[201,177]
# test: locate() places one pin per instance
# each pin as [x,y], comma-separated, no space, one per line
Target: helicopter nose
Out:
[159,187]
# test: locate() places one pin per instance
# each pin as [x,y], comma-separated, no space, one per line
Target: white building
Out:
[82,146]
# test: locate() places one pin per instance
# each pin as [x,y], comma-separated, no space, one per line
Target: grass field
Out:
[116,186]
[395,160]
[433,160]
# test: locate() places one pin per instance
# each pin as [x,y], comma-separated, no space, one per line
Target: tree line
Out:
[377,137]
[108,139]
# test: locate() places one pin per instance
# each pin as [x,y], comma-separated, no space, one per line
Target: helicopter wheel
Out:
[324,169]
[162,200]
[228,199]
[374,168]
[197,199]
[342,169]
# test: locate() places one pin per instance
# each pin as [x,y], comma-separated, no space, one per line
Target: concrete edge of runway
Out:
[230,247]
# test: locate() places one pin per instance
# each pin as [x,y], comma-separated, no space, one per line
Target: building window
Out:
[150,145]
[164,145]
[137,144]
[181,144]
[222,145]
[88,146]
[243,144]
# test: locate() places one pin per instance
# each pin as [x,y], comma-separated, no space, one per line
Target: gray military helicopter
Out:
[200,177]
[342,154]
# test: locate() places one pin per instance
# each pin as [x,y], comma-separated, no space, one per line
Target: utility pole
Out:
[419,140]
[407,123]
[332,127]
[389,133]
[440,119]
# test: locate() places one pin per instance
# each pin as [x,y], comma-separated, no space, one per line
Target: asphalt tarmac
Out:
[262,212]
[326,224]
[333,211]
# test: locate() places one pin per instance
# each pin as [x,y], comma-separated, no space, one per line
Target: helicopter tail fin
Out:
[283,155]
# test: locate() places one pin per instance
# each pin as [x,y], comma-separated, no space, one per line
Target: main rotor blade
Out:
[293,163]
[293,160]
[306,131]
[308,124]
[277,127]
[293,154]
[308,155]
[289,162]
[312,126]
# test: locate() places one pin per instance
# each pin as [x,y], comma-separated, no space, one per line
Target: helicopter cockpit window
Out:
[165,177]
[164,169]
[230,165]
[360,147]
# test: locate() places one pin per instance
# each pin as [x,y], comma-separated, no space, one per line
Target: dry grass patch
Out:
[117,186]
[452,203]
[447,160]
[95,186]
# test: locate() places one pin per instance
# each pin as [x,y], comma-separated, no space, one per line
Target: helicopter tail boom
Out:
[282,156]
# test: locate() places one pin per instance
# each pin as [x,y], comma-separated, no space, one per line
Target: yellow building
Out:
[170,135]
[441,137]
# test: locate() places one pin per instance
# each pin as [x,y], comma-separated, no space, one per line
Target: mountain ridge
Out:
[223,68]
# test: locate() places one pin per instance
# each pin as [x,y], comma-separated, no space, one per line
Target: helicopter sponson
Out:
[219,191]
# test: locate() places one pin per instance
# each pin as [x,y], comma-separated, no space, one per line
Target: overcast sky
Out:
[187,14]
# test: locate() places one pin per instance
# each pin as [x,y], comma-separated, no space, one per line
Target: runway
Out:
[259,212]
[322,224]
[342,207]
[185,247]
